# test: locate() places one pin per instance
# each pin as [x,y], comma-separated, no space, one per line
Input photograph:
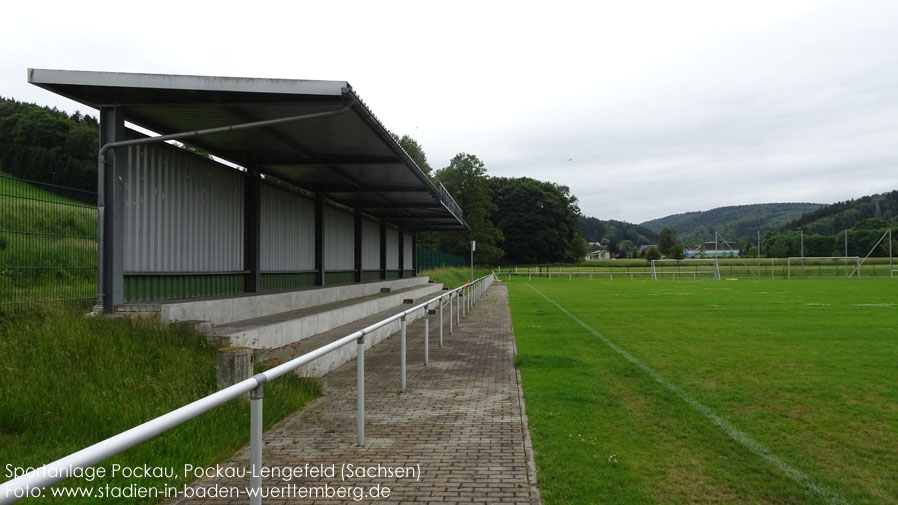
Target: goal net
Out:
[821,266]
[686,269]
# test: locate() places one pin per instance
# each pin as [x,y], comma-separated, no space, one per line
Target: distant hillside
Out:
[735,223]
[49,146]
[832,219]
[597,230]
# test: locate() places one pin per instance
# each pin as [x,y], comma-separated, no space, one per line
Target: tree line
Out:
[866,237]
[620,238]
[861,240]
[735,222]
[49,146]
[514,220]
[835,218]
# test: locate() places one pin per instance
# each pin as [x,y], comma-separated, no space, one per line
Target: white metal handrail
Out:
[51,473]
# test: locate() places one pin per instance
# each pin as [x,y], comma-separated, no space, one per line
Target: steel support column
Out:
[415,252]
[252,231]
[383,250]
[319,240]
[110,209]
[358,246]
[401,253]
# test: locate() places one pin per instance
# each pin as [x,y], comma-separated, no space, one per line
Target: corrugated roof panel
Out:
[349,157]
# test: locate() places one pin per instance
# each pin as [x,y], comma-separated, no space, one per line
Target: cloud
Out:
[661,107]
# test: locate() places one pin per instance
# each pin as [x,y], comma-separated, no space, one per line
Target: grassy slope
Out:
[61,240]
[805,368]
[68,382]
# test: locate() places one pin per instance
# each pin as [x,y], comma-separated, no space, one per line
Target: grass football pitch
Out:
[780,392]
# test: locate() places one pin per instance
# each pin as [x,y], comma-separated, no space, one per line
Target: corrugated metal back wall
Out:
[392,248]
[407,251]
[287,232]
[182,213]
[339,239]
[370,245]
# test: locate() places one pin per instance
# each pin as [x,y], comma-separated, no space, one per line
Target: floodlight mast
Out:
[759,254]
[473,247]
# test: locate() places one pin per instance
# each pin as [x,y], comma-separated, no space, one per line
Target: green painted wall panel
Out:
[140,288]
[370,275]
[334,278]
[277,282]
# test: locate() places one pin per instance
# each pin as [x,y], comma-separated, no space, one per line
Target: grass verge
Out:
[454,277]
[68,382]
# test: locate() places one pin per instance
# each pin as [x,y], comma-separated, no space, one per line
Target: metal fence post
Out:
[402,352]
[450,313]
[441,322]
[255,443]
[360,389]
[426,335]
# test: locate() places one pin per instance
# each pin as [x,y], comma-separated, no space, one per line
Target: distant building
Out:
[601,254]
[644,248]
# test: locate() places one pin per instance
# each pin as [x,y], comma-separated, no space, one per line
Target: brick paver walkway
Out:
[460,424]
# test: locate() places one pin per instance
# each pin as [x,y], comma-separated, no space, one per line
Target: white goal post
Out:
[854,261]
[709,267]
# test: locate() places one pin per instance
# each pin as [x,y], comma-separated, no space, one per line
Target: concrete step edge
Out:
[281,333]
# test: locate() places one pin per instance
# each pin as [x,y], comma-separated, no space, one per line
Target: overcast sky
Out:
[643,109]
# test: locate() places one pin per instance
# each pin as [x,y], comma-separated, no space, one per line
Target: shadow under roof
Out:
[348,157]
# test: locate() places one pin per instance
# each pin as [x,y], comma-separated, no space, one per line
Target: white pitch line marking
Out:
[736,434]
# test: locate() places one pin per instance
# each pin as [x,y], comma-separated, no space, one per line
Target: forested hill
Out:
[832,219]
[597,230]
[734,223]
[47,145]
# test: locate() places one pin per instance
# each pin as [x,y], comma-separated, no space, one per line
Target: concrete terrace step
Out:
[333,360]
[225,309]
[284,328]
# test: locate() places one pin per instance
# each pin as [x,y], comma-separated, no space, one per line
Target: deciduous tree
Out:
[466,180]
[666,241]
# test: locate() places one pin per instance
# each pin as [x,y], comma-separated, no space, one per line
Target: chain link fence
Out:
[429,259]
[48,243]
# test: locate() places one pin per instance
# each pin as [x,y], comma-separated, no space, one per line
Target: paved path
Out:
[460,423]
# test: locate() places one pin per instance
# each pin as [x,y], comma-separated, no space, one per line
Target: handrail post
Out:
[450,313]
[360,389]
[402,353]
[441,322]
[426,335]
[255,443]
